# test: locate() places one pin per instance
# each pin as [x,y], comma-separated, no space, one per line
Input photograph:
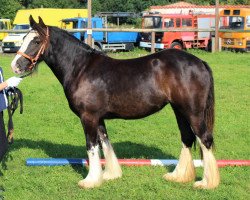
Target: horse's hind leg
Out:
[94,177]
[184,171]
[211,177]
[112,167]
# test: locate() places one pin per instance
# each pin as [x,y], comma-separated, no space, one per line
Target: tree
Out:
[9,8]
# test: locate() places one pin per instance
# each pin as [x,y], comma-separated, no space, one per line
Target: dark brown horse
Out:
[98,87]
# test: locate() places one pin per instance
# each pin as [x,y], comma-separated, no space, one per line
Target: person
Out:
[11,82]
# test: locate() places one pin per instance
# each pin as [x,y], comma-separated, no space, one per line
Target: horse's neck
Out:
[62,62]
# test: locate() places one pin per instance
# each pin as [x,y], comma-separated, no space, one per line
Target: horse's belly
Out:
[136,108]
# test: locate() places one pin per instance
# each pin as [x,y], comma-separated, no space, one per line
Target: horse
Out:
[100,88]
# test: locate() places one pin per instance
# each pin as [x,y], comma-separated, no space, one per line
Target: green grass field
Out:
[48,128]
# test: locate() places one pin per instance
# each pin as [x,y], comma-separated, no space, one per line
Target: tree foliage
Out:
[8,8]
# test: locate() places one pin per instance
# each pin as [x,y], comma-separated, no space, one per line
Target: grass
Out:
[48,128]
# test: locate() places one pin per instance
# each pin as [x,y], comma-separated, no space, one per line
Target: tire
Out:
[176,45]
[209,46]
[97,47]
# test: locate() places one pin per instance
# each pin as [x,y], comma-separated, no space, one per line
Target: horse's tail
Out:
[209,109]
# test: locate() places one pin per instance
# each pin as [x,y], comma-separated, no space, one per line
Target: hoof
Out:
[87,184]
[204,185]
[170,177]
[180,179]
[111,176]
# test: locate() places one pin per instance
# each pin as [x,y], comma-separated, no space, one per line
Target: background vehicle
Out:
[50,16]
[13,41]
[237,25]
[4,25]
[102,40]
[179,40]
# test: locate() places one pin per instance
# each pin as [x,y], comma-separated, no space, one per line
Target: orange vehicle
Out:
[180,40]
[235,29]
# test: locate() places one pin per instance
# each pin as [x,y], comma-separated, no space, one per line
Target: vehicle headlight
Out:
[239,42]
[18,43]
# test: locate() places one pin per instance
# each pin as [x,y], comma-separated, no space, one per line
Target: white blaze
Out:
[29,37]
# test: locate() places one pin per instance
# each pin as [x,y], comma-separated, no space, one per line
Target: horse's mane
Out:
[66,35]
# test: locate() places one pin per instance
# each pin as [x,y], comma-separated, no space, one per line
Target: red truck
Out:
[179,40]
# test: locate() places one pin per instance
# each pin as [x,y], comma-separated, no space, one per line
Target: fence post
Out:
[152,42]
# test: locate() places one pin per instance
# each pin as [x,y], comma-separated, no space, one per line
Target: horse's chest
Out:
[88,96]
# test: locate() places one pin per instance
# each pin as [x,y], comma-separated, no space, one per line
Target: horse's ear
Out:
[33,23]
[39,27]
[41,23]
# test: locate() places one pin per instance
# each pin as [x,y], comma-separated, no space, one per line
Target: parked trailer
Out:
[179,40]
[102,40]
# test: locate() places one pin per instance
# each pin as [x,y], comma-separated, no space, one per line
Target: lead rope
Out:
[14,96]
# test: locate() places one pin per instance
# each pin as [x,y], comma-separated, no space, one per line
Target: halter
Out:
[39,53]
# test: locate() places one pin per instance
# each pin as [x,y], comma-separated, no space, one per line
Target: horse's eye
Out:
[37,42]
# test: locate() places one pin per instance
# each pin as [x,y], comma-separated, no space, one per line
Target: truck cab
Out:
[175,39]
[103,40]
[13,41]
[80,23]
[235,29]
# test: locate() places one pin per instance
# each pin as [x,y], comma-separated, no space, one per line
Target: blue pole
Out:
[55,161]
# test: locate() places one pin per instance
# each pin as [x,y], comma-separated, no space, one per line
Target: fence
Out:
[152,31]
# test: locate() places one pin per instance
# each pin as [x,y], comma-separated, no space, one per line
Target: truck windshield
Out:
[21,26]
[81,24]
[152,22]
[248,22]
[232,22]
[2,26]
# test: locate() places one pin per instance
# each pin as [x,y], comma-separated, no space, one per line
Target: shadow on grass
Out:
[122,149]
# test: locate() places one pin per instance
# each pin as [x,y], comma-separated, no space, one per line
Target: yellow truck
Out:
[4,25]
[235,29]
[51,16]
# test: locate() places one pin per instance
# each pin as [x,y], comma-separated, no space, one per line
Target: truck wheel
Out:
[96,47]
[209,46]
[176,45]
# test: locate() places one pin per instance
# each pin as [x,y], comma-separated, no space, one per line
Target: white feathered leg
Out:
[95,176]
[185,170]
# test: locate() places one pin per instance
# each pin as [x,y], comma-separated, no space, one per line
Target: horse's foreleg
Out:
[112,167]
[95,176]
[185,170]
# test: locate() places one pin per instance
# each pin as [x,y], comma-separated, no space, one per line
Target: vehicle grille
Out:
[248,43]
[228,41]
[8,44]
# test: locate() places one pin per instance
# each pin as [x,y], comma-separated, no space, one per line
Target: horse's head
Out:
[33,47]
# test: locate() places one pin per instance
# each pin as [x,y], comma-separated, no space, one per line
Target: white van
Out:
[13,41]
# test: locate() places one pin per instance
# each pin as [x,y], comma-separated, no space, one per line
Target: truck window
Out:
[248,21]
[187,22]
[168,22]
[152,22]
[21,27]
[178,22]
[232,22]
[75,25]
[236,22]
[1,25]
[84,24]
